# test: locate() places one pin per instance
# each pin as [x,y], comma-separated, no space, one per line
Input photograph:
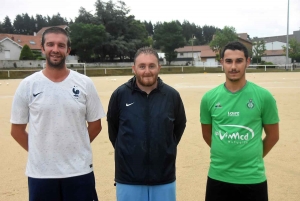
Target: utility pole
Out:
[193,37]
[287,37]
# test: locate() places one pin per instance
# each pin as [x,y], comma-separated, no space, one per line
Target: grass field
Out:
[282,163]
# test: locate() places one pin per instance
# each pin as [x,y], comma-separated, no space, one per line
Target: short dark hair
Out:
[235,46]
[56,30]
[146,50]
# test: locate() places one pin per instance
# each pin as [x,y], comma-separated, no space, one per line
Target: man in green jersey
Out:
[233,116]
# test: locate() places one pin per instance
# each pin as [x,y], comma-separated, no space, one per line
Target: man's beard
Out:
[145,83]
[58,64]
[243,73]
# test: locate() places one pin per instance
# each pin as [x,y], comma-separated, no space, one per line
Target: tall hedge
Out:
[26,53]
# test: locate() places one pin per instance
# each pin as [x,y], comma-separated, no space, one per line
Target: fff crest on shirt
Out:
[76,92]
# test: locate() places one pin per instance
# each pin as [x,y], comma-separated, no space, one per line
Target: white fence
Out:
[251,68]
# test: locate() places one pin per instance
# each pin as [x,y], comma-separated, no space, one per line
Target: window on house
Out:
[7,54]
[32,42]
[181,54]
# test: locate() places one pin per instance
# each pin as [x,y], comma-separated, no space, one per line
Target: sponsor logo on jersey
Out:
[34,95]
[76,92]
[218,105]
[128,104]
[250,104]
[233,114]
[240,137]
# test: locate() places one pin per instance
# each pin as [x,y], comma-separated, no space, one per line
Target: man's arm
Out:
[272,137]
[180,121]
[179,129]
[18,132]
[113,118]
[94,129]
[206,133]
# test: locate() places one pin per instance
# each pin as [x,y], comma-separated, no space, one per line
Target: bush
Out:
[40,58]
[26,53]
[36,54]
[256,60]
[268,65]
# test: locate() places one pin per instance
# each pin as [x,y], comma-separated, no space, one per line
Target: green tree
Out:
[41,22]
[7,26]
[190,30]
[85,17]
[113,17]
[26,53]
[19,25]
[27,24]
[23,24]
[258,50]
[294,50]
[149,27]
[136,36]
[36,55]
[1,27]
[208,33]
[87,39]
[56,20]
[168,36]
[221,38]
[33,26]
[124,34]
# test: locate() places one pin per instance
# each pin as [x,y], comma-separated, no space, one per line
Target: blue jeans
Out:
[165,192]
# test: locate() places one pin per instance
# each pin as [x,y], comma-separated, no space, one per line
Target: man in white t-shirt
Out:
[64,112]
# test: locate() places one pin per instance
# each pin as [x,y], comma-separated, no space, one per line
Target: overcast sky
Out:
[259,18]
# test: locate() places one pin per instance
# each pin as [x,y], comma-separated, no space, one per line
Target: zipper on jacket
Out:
[148,139]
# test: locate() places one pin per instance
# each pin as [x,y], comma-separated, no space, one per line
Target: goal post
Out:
[74,66]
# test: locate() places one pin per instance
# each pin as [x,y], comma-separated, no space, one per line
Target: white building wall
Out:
[72,59]
[188,55]
[275,59]
[14,50]
[21,63]
[211,62]
[275,45]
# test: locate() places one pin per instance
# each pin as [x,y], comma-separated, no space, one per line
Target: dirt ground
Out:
[282,163]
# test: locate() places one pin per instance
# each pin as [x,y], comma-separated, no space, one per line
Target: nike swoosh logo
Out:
[34,95]
[129,104]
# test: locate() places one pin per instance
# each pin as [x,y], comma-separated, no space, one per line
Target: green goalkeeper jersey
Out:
[237,121]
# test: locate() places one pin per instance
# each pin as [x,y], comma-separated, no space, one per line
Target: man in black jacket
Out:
[146,120]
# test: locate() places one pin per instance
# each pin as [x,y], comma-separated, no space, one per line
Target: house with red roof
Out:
[203,55]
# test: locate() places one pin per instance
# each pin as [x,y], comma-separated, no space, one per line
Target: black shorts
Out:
[223,191]
[77,188]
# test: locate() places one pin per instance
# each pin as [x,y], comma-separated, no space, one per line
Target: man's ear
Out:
[43,50]
[133,69]
[248,61]
[159,67]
